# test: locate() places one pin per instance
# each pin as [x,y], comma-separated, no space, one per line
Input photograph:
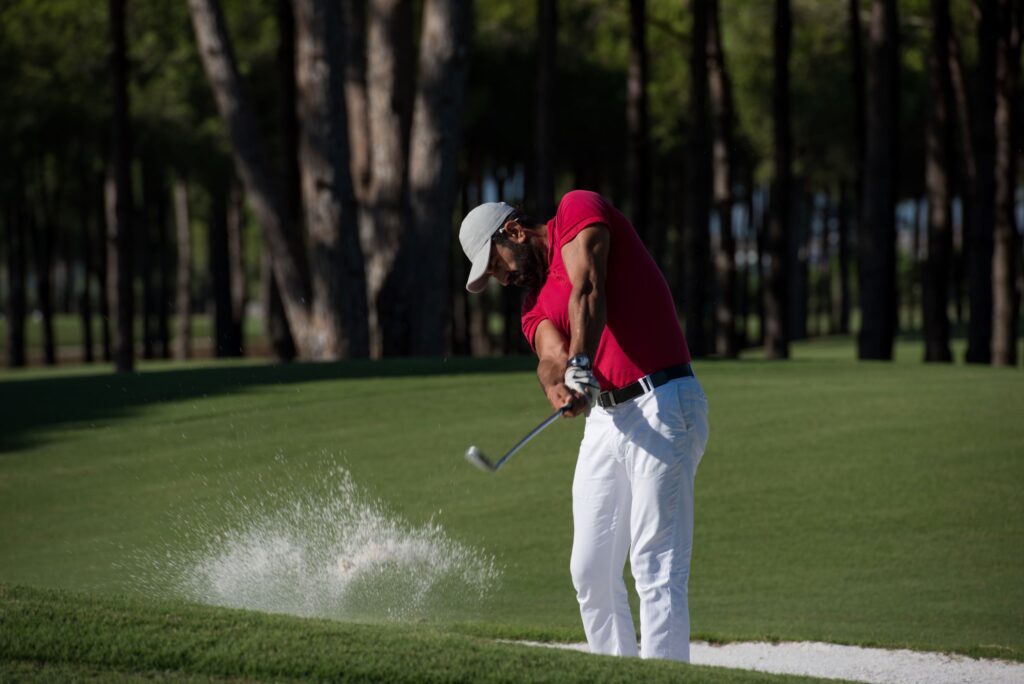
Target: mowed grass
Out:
[50,636]
[870,503]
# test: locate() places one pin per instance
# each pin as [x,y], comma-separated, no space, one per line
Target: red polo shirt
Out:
[642,334]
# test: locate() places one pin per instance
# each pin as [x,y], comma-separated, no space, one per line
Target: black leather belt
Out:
[643,385]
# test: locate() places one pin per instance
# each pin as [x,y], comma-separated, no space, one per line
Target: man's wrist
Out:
[579,361]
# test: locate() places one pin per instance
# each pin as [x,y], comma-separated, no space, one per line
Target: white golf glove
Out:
[582,380]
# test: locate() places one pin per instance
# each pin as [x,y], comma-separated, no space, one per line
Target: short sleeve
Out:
[531,318]
[577,210]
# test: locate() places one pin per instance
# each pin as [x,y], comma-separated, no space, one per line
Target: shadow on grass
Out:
[30,407]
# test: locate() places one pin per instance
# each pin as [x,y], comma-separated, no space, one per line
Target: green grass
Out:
[867,503]
[47,635]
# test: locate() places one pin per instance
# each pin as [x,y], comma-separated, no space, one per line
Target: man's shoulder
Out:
[575,198]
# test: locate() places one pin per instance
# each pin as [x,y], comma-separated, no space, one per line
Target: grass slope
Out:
[47,635]
[865,503]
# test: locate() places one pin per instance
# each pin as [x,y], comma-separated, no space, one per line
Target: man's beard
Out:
[531,266]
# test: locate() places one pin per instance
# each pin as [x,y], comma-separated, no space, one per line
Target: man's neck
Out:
[541,229]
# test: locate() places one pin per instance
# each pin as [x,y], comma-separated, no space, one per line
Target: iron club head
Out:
[477,458]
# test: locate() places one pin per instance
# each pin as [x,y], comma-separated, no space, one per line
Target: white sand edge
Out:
[833,661]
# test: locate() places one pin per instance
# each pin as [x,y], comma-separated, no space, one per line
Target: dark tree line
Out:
[780,202]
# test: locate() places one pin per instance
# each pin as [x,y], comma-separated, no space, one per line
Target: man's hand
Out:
[582,382]
[559,395]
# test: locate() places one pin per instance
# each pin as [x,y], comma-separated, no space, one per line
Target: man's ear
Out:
[515,232]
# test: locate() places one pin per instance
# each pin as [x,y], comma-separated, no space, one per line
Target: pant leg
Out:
[601,531]
[665,449]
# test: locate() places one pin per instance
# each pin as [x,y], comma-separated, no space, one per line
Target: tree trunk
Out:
[877,236]
[979,266]
[389,94]
[42,251]
[859,112]
[236,263]
[966,172]
[639,158]
[547,94]
[433,162]
[775,318]
[354,22]
[251,163]
[697,240]
[148,257]
[85,295]
[15,287]
[183,281]
[1005,257]
[843,257]
[275,323]
[938,163]
[725,259]
[336,263]
[103,253]
[225,342]
[163,250]
[796,258]
[124,352]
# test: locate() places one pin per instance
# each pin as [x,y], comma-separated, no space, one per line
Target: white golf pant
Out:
[633,494]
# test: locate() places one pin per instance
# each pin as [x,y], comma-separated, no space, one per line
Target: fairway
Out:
[837,501]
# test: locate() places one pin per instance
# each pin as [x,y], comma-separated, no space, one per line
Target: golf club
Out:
[477,458]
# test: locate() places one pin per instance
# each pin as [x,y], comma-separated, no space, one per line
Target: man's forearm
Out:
[551,373]
[587,316]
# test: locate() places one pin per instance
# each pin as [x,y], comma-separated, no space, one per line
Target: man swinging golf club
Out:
[600,317]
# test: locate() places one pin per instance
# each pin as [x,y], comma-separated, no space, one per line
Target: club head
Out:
[477,458]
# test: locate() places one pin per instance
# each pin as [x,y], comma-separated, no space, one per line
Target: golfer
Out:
[600,317]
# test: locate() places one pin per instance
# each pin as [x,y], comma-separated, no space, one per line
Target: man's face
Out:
[519,261]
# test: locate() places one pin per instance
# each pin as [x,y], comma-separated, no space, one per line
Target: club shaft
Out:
[533,433]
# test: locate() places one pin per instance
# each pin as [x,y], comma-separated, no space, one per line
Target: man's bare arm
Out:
[586,262]
[552,352]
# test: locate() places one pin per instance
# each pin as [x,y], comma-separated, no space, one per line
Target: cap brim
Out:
[477,281]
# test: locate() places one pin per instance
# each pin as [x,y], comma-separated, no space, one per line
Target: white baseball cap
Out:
[475,235]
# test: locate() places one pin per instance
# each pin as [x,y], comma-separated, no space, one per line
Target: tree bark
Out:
[877,236]
[336,264]
[697,240]
[124,352]
[547,94]
[433,162]
[775,318]
[389,95]
[42,251]
[639,157]
[275,325]
[725,259]
[183,281]
[15,287]
[149,257]
[354,22]
[275,322]
[103,253]
[938,163]
[966,172]
[1006,251]
[226,343]
[85,249]
[979,266]
[859,111]
[287,258]
[236,263]
[843,257]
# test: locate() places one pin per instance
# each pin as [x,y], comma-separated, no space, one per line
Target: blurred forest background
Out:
[286,178]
